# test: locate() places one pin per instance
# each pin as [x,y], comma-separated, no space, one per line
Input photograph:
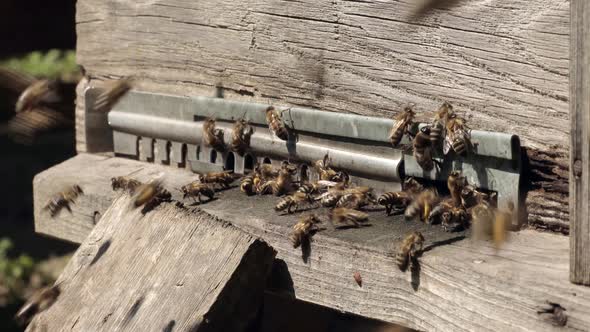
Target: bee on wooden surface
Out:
[456,182]
[276,124]
[38,302]
[213,137]
[437,129]
[412,185]
[458,136]
[316,187]
[112,92]
[38,93]
[401,125]
[345,217]
[223,179]
[470,197]
[266,171]
[326,173]
[125,183]
[357,197]
[410,247]
[241,133]
[266,187]
[395,200]
[423,149]
[304,229]
[454,219]
[331,197]
[293,201]
[422,205]
[556,313]
[284,183]
[248,184]
[197,189]
[63,200]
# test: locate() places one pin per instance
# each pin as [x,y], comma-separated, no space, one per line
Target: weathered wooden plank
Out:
[460,286]
[580,143]
[173,267]
[502,63]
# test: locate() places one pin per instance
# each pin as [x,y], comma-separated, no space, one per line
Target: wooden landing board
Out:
[173,269]
[460,286]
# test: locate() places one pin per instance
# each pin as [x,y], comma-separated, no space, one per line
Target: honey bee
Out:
[63,200]
[401,125]
[38,302]
[112,92]
[398,200]
[223,179]
[316,187]
[458,136]
[456,182]
[423,149]
[331,197]
[213,137]
[292,201]
[241,134]
[345,217]
[470,197]
[197,189]
[283,183]
[150,195]
[557,315]
[357,197]
[502,224]
[437,129]
[266,171]
[410,247]
[38,93]
[125,183]
[275,123]
[247,184]
[422,205]
[304,229]
[454,219]
[412,185]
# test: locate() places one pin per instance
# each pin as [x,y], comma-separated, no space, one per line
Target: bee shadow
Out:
[230,187]
[306,249]
[133,310]
[441,243]
[169,326]
[298,211]
[280,280]
[101,251]
[343,227]
[415,272]
[197,203]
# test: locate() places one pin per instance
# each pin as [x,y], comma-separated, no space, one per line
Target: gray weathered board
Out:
[173,269]
[460,286]
[504,64]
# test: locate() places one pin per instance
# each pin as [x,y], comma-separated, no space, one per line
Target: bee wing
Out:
[447,144]
[26,126]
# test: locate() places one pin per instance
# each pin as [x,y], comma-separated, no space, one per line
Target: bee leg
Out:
[388,209]
[199,197]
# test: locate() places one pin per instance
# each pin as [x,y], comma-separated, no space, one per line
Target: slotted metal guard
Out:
[167,129]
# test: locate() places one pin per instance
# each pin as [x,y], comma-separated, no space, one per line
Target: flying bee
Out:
[409,249]
[150,195]
[422,205]
[502,224]
[213,137]
[398,200]
[456,182]
[38,93]
[125,183]
[241,133]
[112,92]
[275,123]
[304,229]
[63,200]
[38,302]
[423,149]
[345,217]
[437,130]
[482,221]
[247,184]
[223,179]
[197,189]
[401,125]
[293,201]
[458,136]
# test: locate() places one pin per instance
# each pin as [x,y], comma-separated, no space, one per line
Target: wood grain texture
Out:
[460,286]
[504,64]
[174,268]
[580,143]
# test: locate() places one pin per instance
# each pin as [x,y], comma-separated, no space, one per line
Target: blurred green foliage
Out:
[52,64]
[14,272]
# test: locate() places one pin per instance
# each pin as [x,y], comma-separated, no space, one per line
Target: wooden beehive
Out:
[504,65]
